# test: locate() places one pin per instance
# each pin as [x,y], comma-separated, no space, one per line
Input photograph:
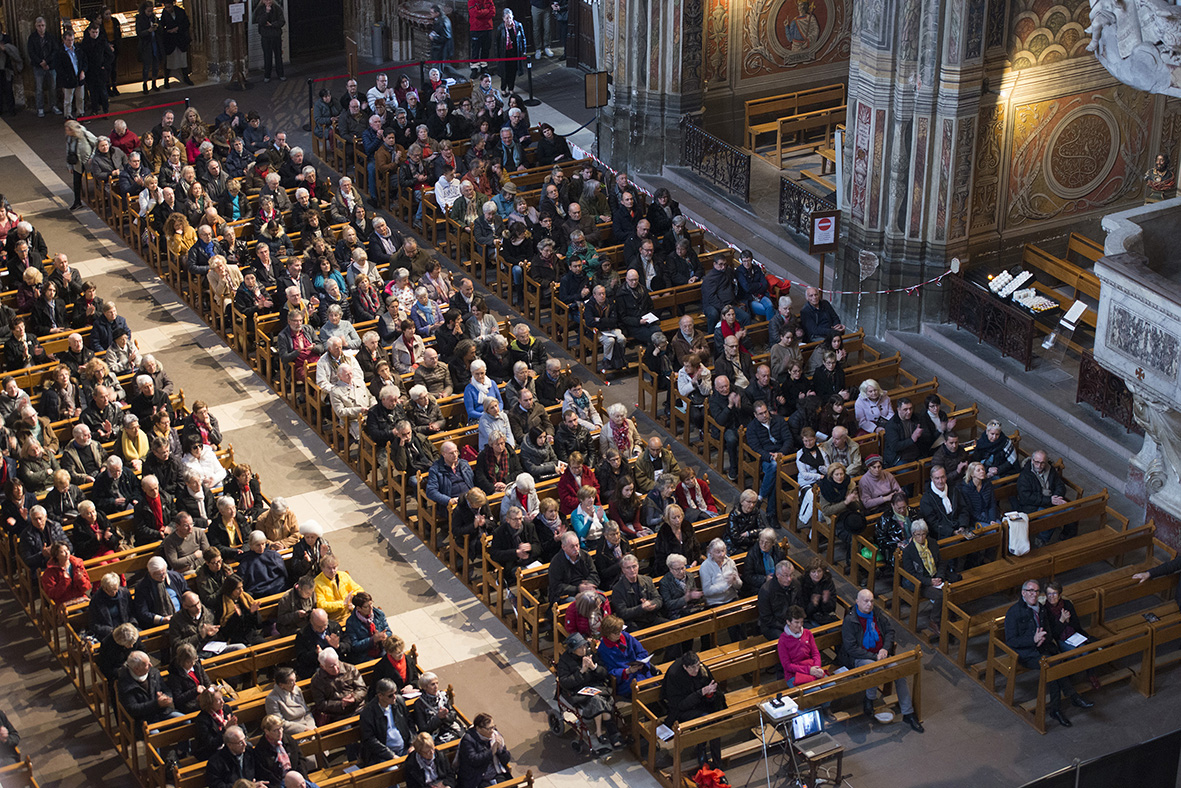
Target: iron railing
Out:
[715,159]
[1105,392]
[796,205]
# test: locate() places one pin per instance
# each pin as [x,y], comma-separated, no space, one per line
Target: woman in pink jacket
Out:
[798,652]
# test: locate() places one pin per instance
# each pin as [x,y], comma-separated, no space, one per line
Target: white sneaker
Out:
[40,113]
[538,55]
[549,52]
[57,111]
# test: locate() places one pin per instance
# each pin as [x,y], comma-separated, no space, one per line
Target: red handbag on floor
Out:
[709,777]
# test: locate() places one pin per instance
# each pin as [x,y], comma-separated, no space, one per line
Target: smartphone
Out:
[1151,618]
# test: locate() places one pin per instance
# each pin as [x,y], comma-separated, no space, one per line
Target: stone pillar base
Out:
[1168,523]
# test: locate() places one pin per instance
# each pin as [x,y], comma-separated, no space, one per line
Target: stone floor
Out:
[971,739]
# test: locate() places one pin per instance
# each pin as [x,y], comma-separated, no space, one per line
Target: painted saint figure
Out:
[803,30]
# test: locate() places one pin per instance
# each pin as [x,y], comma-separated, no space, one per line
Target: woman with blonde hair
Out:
[224,279]
[98,373]
[178,234]
[80,147]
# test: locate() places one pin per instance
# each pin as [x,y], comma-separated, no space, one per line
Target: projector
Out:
[779,708]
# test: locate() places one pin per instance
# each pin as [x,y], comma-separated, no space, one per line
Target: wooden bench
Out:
[818,177]
[763,115]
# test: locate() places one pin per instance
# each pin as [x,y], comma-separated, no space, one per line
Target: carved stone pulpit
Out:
[1138,337]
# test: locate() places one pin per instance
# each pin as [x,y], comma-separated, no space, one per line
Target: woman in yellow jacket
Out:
[335,590]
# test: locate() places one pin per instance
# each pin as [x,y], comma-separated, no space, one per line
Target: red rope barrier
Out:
[132,111]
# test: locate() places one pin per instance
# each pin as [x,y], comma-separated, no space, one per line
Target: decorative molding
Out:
[1045,33]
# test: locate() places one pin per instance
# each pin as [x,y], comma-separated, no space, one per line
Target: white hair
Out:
[417,391]
[479,365]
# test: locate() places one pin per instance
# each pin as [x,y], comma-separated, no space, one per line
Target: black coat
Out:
[682,694]
[774,602]
[373,731]
[1021,624]
[223,769]
[182,687]
[266,759]
[565,575]
[106,613]
[144,520]
[941,523]
[852,634]
[415,777]
[913,564]
[139,698]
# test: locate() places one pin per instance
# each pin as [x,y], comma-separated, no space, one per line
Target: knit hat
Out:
[312,528]
[871,459]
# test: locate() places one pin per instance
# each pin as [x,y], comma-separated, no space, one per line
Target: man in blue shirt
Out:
[385,731]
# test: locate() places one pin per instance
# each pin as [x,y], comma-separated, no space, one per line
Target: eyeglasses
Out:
[1029,590]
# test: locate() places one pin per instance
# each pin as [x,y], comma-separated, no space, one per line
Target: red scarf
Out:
[157,512]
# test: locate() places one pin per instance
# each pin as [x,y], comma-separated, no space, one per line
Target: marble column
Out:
[653,50]
[915,78]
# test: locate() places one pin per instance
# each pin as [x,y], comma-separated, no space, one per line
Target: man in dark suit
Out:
[235,761]
[385,727]
[157,595]
[319,633]
[153,513]
[943,507]
[1027,631]
[69,65]
[142,691]
[771,438]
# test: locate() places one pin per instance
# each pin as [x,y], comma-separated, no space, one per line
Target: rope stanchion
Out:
[311,106]
[907,289]
[133,111]
[531,101]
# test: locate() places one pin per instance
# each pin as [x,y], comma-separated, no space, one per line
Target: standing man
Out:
[543,26]
[42,51]
[70,67]
[269,18]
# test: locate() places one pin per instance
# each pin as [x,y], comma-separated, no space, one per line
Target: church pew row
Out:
[1108,540]
[532,585]
[19,774]
[755,670]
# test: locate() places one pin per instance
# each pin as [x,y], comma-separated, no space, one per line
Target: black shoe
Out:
[187,80]
[1081,702]
[913,722]
[76,205]
[1061,718]
[867,707]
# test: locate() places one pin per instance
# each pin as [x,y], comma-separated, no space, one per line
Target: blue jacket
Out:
[981,504]
[779,440]
[442,485]
[752,283]
[263,574]
[102,334]
[616,659]
[358,634]
[473,400]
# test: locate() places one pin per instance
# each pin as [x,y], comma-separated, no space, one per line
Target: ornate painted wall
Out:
[1059,138]
[762,47]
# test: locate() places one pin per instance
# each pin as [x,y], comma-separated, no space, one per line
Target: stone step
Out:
[1039,403]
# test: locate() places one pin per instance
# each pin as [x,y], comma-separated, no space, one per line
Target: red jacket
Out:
[798,655]
[62,588]
[126,143]
[481,15]
[575,622]
[568,490]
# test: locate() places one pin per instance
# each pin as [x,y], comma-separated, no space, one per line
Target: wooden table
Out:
[815,761]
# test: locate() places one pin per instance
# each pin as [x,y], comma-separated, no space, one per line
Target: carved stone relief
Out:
[1139,43]
[718,42]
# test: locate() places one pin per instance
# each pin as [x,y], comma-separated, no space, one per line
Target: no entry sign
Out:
[825,230]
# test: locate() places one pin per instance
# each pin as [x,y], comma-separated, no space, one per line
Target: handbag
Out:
[72,158]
